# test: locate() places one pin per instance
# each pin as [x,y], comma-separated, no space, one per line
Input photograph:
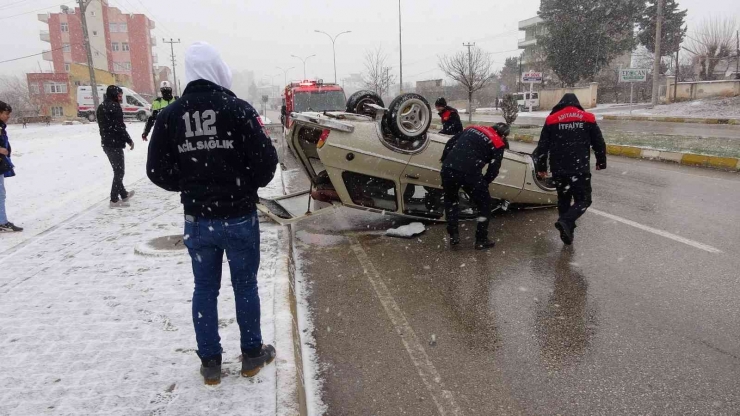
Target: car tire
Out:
[356,104]
[91,117]
[409,116]
[141,116]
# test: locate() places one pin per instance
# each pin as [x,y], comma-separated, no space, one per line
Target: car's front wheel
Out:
[358,103]
[409,116]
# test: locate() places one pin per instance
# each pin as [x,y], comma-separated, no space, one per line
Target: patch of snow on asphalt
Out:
[406,231]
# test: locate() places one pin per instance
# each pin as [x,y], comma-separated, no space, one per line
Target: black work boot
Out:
[252,362]
[454,233]
[566,232]
[481,236]
[210,369]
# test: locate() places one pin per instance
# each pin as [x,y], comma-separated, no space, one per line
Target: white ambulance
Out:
[133,104]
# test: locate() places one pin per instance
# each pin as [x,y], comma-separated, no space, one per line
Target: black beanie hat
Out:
[441,102]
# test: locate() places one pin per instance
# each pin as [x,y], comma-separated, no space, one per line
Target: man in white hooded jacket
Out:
[210,146]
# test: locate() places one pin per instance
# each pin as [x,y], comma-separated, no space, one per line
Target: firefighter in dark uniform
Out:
[158,105]
[463,160]
[451,123]
[566,141]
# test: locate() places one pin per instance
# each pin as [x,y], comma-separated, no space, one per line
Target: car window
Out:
[319,101]
[535,96]
[405,146]
[133,101]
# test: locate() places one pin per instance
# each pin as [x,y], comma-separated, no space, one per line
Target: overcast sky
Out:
[261,36]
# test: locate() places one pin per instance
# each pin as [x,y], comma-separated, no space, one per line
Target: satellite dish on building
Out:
[65,9]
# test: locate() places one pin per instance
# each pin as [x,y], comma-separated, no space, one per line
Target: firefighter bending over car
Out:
[463,160]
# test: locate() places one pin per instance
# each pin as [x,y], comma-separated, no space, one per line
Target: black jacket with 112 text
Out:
[567,138]
[211,147]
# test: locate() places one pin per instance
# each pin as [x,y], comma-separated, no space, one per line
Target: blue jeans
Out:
[207,240]
[3,213]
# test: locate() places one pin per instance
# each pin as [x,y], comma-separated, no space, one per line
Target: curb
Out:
[686,159]
[688,120]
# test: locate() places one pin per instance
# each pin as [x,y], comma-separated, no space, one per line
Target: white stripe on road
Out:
[666,234]
[442,398]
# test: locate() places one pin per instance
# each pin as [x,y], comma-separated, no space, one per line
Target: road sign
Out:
[532,77]
[633,75]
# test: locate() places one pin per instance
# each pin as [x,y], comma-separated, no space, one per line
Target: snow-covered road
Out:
[89,327]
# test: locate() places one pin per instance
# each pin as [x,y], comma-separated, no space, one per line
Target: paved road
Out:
[673,129]
[640,316]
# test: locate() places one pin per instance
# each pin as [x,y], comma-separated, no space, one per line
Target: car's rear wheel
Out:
[141,116]
[358,103]
[409,116]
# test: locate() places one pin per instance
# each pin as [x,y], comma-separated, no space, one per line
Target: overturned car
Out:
[385,160]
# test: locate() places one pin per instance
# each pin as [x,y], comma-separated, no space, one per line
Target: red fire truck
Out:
[311,96]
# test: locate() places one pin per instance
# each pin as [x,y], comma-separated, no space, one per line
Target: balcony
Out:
[45,36]
[154,41]
[523,43]
[43,17]
[155,58]
[530,22]
[47,56]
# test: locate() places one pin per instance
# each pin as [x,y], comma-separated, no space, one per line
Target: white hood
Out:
[202,61]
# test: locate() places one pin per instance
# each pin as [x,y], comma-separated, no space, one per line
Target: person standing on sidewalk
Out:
[566,140]
[114,138]
[451,123]
[463,159]
[210,146]
[6,168]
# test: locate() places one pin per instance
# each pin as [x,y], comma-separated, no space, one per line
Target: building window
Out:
[66,47]
[92,13]
[65,27]
[113,27]
[55,88]
[57,111]
[125,47]
[123,27]
[122,66]
[95,33]
[67,67]
[115,46]
[35,90]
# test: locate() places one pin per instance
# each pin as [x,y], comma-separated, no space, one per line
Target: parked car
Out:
[524,99]
[385,160]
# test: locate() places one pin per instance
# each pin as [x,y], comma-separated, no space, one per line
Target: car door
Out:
[421,183]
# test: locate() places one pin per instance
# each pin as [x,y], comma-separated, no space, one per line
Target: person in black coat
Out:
[451,123]
[463,159]
[566,141]
[114,138]
[210,146]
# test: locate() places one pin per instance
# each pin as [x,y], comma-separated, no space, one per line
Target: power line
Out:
[30,56]
[34,11]
[10,5]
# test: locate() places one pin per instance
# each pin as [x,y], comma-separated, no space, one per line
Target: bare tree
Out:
[377,75]
[14,91]
[712,42]
[472,69]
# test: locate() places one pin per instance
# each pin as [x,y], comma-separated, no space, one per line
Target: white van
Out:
[133,104]
[523,100]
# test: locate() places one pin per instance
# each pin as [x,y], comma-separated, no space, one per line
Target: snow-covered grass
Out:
[706,108]
[88,327]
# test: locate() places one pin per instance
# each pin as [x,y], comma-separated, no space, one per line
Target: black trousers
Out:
[574,196]
[477,188]
[118,163]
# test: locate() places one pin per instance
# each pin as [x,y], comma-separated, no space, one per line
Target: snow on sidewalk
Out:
[88,327]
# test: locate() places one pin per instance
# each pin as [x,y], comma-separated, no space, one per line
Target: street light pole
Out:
[334,49]
[304,63]
[285,74]
[400,49]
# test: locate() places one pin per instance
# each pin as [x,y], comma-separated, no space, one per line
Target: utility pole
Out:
[471,81]
[656,62]
[86,40]
[737,56]
[334,49]
[172,43]
[400,50]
